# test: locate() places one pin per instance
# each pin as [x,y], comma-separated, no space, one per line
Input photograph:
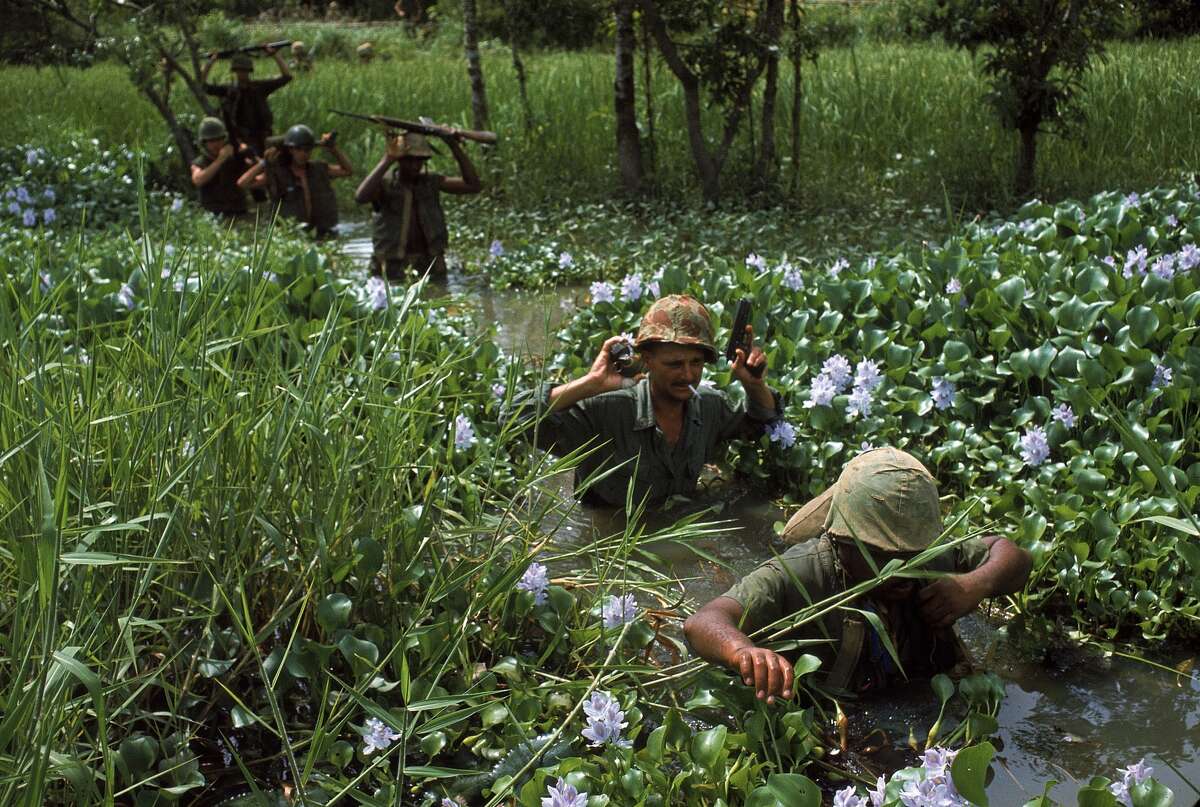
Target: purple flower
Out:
[757,261]
[499,390]
[846,797]
[617,611]
[782,432]
[23,196]
[822,392]
[49,194]
[1120,791]
[871,261]
[1135,259]
[14,208]
[866,375]
[31,156]
[937,761]
[565,260]
[954,286]
[866,446]
[879,794]
[792,278]
[942,393]
[602,292]
[125,297]
[1188,258]
[464,433]
[1162,377]
[534,581]
[1109,260]
[564,795]
[1133,200]
[837,369]
[1171,220]
[48,215]
[177,204]
[1136,773]
[1164,267]
[859,402]
[605,721]
[1064,414]
[29,218]
[496,250]
[377,293]
[652,287]
[378,736]
[631,288]
[1034,448]
[838,266]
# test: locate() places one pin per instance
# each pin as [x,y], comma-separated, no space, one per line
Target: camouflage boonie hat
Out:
[241,62]
[884,497]
[365,49]
[680,320]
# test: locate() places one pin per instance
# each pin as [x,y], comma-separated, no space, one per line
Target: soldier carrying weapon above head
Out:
[244,103]
[216,170]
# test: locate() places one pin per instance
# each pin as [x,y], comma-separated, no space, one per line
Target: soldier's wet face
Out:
[214,145]
[858,570]
[300,154]
[410,167]
[674,369]
[242,77]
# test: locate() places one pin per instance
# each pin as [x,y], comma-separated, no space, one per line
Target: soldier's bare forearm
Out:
[1005,571]
[713,632]
[369,187]
[571,393]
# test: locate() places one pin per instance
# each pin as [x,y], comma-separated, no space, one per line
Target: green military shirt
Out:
[621,428]
[809,572]
[246,107]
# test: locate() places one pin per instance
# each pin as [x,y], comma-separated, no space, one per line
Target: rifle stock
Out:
[488,138]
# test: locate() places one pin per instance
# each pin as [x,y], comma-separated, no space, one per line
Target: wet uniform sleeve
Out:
[561,431]
[748,423]
[970,555]
[219,90]
[270,85]
[762,595]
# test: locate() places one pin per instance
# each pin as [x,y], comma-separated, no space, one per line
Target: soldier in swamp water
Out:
[884,506]
[409,226]
[658,431]
[300,186]
[216,170]
[244,106]
[302,60]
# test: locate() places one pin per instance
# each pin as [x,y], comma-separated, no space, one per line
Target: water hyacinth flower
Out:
[377,293]
[846,797]
[1171,220]
[1135,259]
[1164,267]
[1137,773]
[1162,377]
[866,446]
[602,292]
[125,297]
[499,390]
[859,402]
[871,261]
[14,208]
[1109,260]
[631,288]
[49,195]
[839,266]
[1188,258]
[652,287]
[565,260]
[496,249]
[1034,448]
[464,433]
[954,286]
[1133,200]
[29,218]
[866,375]
[1064,414]
[535,581]
[942,393]
[564,795]
[605,721]
[618,611]
[782,432]
[756,261]
[23,196]
[177,205]
[822,392]
[378,736]
[837,369]
[792,278]
[31,156]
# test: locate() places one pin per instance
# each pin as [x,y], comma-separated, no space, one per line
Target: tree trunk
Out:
[648,94]
[1026,160]
[767,163]
[479,103]
[182,137]
[510,20]
[629,148]
[797,95]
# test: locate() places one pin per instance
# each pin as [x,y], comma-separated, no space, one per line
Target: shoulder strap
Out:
[854,634]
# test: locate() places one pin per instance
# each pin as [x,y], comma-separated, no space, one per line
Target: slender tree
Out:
[629,149]
[512,26]
[768,163]
[479,102]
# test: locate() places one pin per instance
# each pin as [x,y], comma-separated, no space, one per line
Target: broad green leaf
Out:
[1012,291]
[1143,322]
[794,789]
[969,772]
[333,613]
[707,746]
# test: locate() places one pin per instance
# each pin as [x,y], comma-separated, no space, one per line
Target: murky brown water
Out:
[1067,722]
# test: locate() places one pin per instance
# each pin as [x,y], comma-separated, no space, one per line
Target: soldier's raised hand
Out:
[605,374]
[267,49]
[226,152]
[749,368]
[395,146]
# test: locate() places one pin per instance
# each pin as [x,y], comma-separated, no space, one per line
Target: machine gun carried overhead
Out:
[225,54]
[425,127]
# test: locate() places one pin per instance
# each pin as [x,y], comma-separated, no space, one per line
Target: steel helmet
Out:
[241,62]
[212,129]
[678,319]
[299,136]
[414,144]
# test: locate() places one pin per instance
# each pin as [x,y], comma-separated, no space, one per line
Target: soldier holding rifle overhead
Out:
[244,104]
[409,225]
[216,170]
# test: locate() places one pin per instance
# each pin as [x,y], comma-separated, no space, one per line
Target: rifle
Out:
[737,336]
[422,127]
[225,54]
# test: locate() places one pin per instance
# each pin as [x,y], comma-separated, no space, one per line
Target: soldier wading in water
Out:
[662,429]
[216,170]
[888,501]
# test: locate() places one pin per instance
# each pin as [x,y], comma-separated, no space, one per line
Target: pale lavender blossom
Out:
[30,217]
[846,797]
[942,393]
[377,293]
[1109,260]
[936,762]
[1133,200]
[954,286]
[177,204]
[1162,377]
[447,802]
[757,261]
[605,721]
[464,433]
[871,261]
[1164,267]
[859,402]
[1135,259]
[837,369]
[49,194]
[866,375]
[1120,791]
[879,794]
[1137,773]
[1171,220]
[45,280]
[499,390]
[782,432]
[792,277]
[1188,258]
[1064,414]
[564,795]
[617,611]
[378,736]
[535,581]
[839,266]
[125,297]
[631,288]
[822,392]
[866,446]
[602,292]
[652,287]
[565,260]
[14,208]
[496,250]
[23,196]
[31,156]
[1034,448]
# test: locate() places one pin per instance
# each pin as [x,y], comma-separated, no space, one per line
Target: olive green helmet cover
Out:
[678,319]
[884,497]
[212,129]
[299,136]
[241,61]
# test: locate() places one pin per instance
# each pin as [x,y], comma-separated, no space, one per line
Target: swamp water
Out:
[1078,716]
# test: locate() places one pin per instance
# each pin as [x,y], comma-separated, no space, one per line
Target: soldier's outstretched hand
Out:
[768,672]
[395,146]
[267,49]
[749,368]
[947,599]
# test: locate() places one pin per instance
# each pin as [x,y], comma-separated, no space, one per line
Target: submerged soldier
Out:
[888,501]
[366,52]
[216,170]
[666,426]
[409,227]
[299,185]
[244,102]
